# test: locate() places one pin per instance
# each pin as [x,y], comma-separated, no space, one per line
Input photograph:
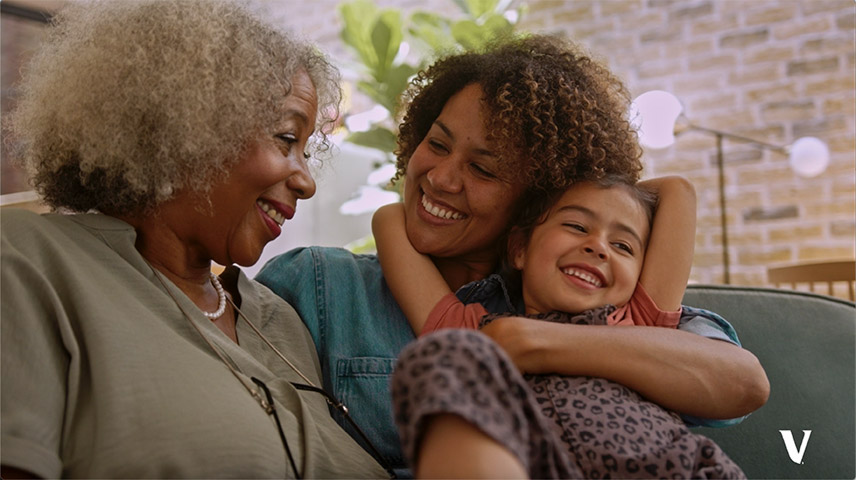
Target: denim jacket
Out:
[359,330]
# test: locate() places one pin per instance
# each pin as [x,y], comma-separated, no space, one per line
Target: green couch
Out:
[806,343]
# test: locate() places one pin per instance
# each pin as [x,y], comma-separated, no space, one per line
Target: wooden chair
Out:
[816,273]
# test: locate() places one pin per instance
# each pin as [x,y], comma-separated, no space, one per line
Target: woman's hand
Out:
[679,370]
[523,341]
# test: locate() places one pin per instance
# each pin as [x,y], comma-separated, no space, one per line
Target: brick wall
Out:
[770,70]
[773,70]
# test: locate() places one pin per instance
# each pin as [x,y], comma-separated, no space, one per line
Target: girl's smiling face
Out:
[587,253]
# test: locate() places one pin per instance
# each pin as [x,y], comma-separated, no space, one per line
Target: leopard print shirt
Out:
[558,426]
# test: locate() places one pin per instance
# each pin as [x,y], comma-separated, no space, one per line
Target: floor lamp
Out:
[658,117]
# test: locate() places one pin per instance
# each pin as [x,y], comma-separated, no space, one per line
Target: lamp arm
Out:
[740,138]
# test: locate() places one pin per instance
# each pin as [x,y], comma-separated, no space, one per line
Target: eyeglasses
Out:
[332,401]
[267,403]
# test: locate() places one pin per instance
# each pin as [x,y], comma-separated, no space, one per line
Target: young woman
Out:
[548,115]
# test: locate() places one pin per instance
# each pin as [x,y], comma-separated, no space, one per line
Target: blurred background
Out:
[751,78]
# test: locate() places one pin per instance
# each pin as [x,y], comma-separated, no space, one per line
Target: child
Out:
[581,258]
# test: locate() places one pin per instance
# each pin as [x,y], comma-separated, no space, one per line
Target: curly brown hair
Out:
[129,102]
[554,115]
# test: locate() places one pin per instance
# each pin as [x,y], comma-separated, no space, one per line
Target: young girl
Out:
[581,257]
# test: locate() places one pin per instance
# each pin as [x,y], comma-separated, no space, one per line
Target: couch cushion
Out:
[806,343]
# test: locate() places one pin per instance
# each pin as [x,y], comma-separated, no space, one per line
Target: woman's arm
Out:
[412,277]
[679,370]
[669,256]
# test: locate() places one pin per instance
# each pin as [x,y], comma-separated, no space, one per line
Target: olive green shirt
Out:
[103,376]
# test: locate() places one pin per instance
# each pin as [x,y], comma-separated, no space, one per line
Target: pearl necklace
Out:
[266,403]
[221,296]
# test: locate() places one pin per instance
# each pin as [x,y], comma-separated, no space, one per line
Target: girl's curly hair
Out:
[554,115]
[130,101]
[534,209]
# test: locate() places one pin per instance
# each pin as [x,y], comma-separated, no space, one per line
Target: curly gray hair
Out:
[129,102]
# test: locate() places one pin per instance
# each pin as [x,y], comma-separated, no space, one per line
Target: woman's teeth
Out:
[271,212]
[440,212]
[585,276]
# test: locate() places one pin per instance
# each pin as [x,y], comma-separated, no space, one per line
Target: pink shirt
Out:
[640,310]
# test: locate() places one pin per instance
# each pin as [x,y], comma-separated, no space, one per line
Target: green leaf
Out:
[428,20]
[473,36]
[431,30]
[477,8]
[358,17]
[380,41]
[378,92]
[376,36]
[397,80]
[387,90]
[468,34]
[497,26]
[377,137]
[386,36]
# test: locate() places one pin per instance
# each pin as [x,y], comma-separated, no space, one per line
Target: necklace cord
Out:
[253,392]
[267,404]
[271,345]
[339,406]
[311,387]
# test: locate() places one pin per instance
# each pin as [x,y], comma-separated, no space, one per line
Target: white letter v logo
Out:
[788,437]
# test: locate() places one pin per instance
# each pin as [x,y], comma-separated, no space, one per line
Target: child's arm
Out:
[679,370]
[412,277]
[669,256]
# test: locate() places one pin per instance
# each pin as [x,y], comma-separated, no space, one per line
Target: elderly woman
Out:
[546,115]
[177,133]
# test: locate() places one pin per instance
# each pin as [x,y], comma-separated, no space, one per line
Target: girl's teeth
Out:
[583,276]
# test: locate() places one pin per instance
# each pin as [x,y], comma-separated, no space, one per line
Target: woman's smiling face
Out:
[264,187]
[250,204]
[457,200]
